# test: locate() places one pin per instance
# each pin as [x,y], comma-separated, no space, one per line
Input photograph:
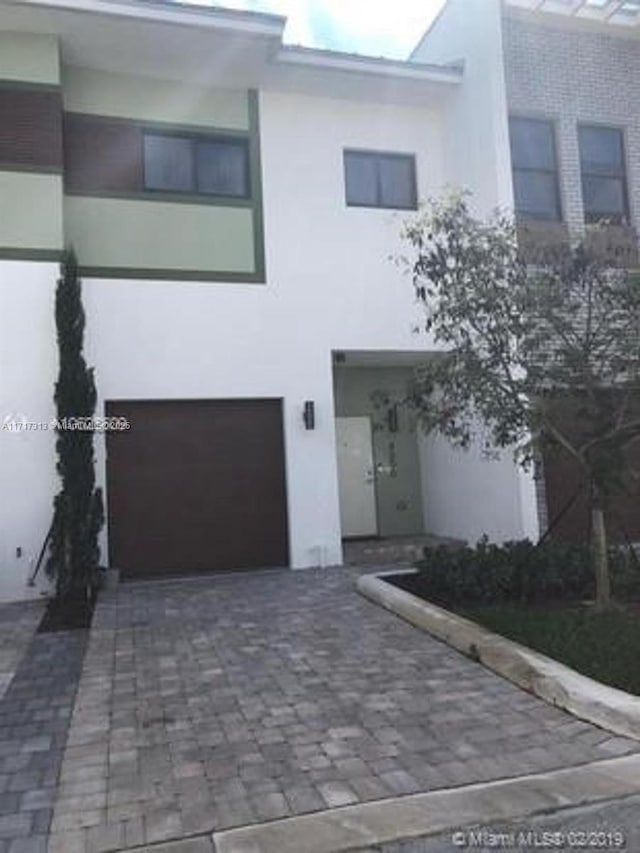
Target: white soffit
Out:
[201,44]
[621,13]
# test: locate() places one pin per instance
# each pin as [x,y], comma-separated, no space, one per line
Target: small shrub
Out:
[517,572]
[625,574]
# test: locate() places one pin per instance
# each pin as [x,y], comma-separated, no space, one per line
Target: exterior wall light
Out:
[392,418]
[309,415]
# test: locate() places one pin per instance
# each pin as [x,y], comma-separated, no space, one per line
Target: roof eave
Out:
[169,12]
[373,65]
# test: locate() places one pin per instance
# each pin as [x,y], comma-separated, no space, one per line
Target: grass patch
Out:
[604,646]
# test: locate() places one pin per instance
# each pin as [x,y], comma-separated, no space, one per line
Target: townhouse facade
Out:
[236,207]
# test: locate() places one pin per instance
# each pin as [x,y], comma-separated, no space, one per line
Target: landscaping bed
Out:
[71,613]
[541,598]
[604,646]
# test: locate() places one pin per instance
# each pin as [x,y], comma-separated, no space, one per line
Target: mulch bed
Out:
[71,613]
[604,646]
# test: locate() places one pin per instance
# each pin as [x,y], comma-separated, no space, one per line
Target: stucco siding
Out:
[30,211]
[126,96]
[27,458]
[160,235]
[29,58]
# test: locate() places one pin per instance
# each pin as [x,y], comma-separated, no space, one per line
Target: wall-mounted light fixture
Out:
[309,415]
[392,418]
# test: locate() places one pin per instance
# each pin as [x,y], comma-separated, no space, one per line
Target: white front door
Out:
[356,477]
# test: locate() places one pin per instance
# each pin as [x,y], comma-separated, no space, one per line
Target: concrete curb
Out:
[607,707]
[415,816]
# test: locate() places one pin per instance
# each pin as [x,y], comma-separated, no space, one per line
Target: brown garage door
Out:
[195,486]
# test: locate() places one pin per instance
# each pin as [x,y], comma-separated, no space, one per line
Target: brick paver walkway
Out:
[34,718]
[221,701]
[18,623]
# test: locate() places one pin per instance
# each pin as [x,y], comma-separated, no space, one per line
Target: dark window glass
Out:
[380,180]
[397,182]
[535,169]
[196,165]
[532,144]
[361,178]
[604,185]
[535,193]
[222,168]
[168,163]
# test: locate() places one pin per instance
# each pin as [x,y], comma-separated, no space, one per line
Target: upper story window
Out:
[196,164]
[604,183]
[375,179]
[535,168]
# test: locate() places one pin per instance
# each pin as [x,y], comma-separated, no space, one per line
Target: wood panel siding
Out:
[568,505]
[102,155]
[568,492]
[31,128]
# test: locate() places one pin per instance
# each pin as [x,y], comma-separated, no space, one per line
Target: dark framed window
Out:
[196,164]
[376,179]
[604,180]
[535,168]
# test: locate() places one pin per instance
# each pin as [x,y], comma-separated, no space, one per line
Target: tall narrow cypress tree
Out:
[78,512]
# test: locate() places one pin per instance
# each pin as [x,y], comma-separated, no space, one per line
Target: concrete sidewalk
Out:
[605,826]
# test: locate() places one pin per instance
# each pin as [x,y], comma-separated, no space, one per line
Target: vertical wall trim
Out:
[256,188]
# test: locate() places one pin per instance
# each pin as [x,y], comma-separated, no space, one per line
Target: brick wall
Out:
[571,76]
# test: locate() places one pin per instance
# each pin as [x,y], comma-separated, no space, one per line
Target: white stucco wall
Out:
[475,118]
[28,363]
[330,286]
[467,496]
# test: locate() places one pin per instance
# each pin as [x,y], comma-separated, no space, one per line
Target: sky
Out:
[388,28]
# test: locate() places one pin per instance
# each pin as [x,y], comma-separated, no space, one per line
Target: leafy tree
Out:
[534,354]
[78,510]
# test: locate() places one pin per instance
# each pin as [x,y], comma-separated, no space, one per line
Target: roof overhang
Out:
[211,45]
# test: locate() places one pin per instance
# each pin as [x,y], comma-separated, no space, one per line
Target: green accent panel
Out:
[256,188]
[136,234]
[29,58]
[28,167]
[170,274]
[30,254]
[30,210]
[124,96]
[156,195]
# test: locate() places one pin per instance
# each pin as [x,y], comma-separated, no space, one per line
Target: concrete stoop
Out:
[394,550]
[419,815]
[606,707]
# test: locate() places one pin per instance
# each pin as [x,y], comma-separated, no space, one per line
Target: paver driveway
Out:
[227,700]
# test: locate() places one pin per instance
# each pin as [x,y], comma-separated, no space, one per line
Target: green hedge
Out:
[519,572]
